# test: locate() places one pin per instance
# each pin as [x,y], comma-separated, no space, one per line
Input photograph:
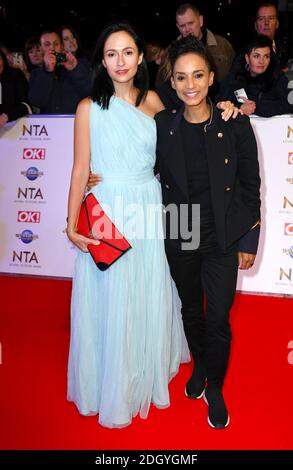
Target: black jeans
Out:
[209,275]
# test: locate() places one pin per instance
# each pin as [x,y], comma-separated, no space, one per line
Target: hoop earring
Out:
[247,66]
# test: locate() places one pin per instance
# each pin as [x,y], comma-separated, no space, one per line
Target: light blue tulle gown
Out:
[126,334]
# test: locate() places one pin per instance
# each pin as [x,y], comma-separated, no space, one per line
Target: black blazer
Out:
[233,170]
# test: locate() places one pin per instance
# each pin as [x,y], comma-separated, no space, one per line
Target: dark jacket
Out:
[269,90]
[233,171]
[221,53]
[60,93]
[14,94]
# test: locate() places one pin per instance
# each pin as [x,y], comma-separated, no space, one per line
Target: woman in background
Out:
[32,53]
[258,85]
[71,42]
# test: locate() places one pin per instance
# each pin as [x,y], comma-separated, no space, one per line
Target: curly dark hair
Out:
[186,45]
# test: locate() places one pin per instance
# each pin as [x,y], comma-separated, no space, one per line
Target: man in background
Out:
[189,20]
[63,80]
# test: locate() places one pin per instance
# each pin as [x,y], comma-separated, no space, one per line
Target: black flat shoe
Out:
[195,386]
[218,417]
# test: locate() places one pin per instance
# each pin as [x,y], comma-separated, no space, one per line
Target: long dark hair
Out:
[30,43]
[102,85]
[80,52]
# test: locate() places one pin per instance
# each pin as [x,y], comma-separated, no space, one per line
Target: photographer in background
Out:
[62,81]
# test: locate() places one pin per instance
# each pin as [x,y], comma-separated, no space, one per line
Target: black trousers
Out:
[206,282]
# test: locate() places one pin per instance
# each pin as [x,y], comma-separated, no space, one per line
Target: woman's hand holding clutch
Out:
[79,240]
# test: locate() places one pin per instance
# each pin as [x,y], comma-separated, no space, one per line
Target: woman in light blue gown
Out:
[126,335]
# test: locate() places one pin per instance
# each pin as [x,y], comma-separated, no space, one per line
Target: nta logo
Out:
[25,257]
[34,130]
[287,202]
[287,275]
[289,132]
[29,193]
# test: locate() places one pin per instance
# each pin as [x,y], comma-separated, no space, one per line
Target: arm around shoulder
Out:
[154,101]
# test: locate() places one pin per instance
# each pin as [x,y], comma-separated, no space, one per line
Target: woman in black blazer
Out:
[204,160]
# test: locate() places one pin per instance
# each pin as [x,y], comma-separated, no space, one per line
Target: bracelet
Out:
[68,230]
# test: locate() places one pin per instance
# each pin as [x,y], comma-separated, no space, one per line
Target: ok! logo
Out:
[34,154]
[288,229]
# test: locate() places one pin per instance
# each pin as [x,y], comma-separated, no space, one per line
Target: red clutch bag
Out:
[94,223]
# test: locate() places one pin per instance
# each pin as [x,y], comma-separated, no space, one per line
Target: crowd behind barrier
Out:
[36,159]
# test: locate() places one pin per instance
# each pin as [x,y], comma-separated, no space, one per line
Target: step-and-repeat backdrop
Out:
[36,159]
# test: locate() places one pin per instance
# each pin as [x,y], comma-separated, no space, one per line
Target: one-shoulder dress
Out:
[126,332]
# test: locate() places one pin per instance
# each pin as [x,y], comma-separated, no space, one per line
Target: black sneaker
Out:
[218,417]
[195,386]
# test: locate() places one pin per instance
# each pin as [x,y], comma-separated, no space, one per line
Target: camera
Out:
[60,57]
